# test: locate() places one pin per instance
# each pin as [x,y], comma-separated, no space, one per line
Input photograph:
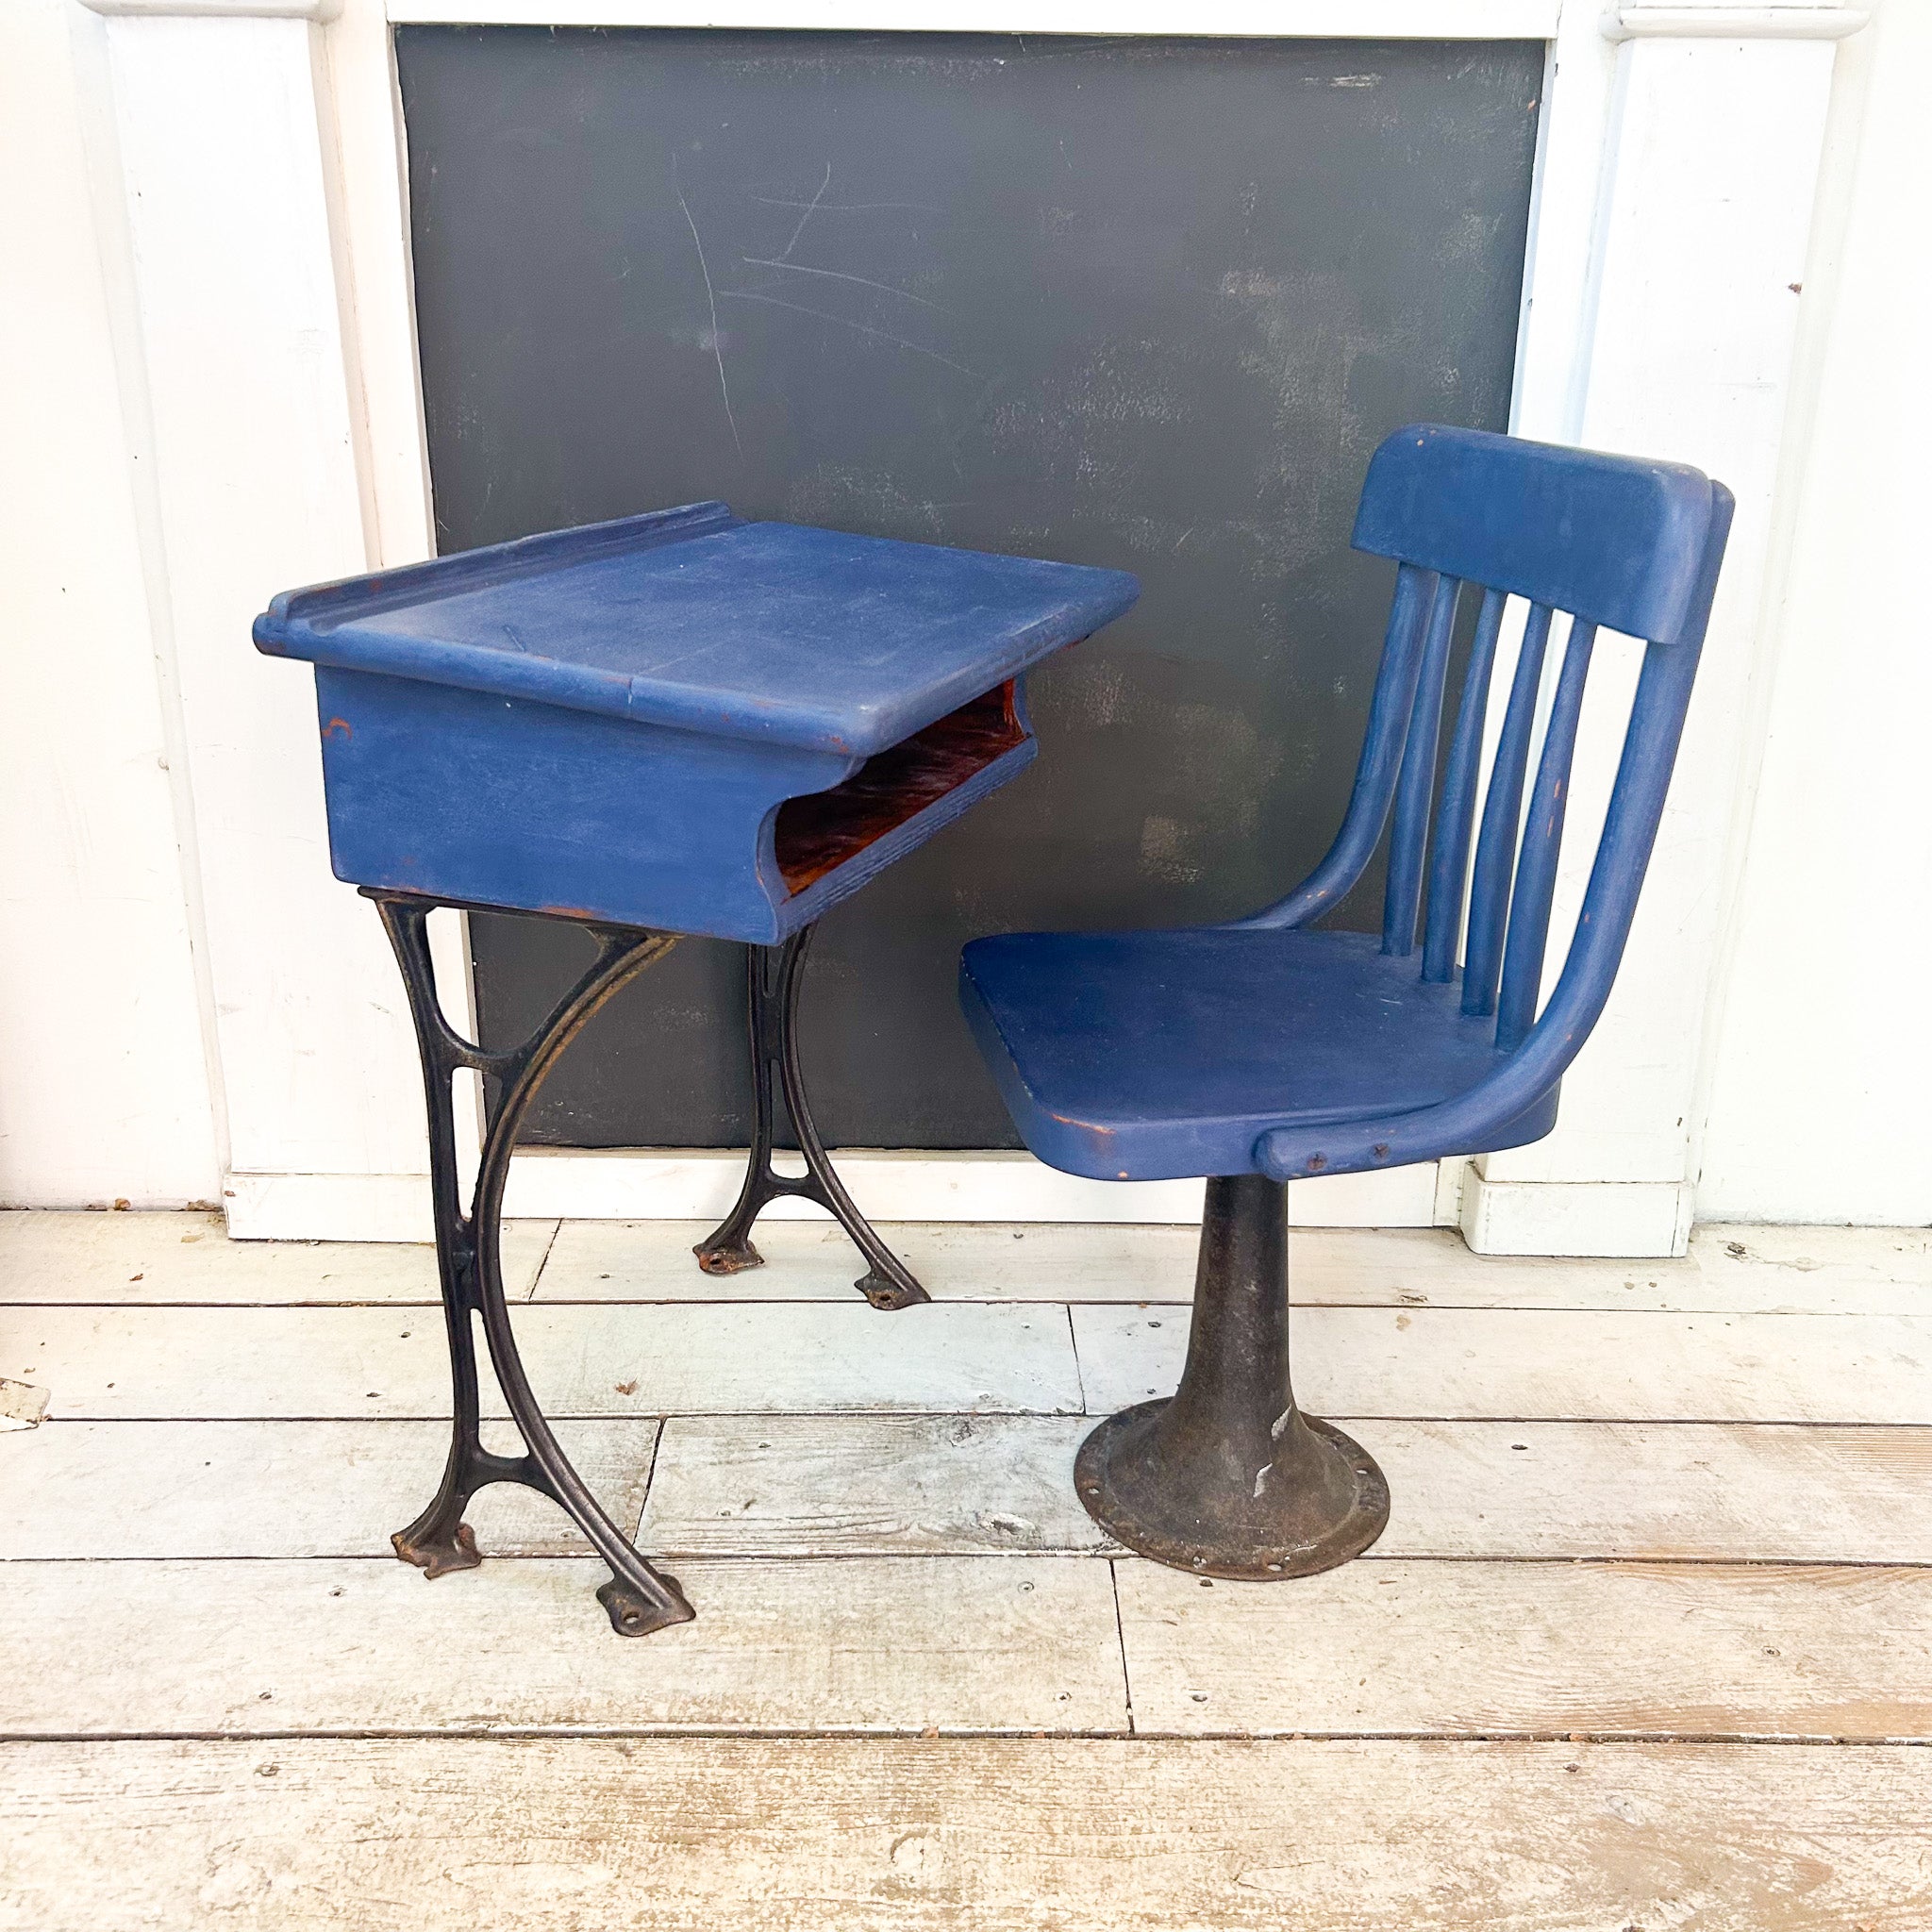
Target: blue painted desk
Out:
[673,723]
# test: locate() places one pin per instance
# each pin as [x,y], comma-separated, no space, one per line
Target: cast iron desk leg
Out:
[468,1258]
[772,981]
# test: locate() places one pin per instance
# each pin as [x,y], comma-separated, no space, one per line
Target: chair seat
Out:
[1151,1055]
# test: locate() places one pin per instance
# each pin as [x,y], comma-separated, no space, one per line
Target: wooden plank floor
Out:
[1648,1643]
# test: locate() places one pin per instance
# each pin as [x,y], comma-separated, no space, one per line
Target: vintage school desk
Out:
[680,722]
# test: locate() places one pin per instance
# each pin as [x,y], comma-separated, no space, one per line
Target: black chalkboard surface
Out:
[1142,302]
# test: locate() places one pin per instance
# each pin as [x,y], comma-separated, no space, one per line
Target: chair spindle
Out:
[1375,779]
[1408,842]
[1495,851]
[1542,844]
[1450,864]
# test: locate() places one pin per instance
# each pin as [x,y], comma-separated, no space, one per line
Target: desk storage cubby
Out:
[817,834]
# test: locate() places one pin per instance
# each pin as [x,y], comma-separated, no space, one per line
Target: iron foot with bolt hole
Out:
[633,1614]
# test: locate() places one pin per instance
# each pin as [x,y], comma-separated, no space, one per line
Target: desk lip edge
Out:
[289,628]
[859,731]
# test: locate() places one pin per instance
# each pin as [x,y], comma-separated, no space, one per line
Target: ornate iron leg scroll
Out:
[1228,1477]
[469,1256]
[772,979]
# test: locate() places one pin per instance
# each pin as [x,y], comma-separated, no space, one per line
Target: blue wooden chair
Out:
[1261,1051]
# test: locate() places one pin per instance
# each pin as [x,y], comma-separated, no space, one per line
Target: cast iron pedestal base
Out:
[1227,1477]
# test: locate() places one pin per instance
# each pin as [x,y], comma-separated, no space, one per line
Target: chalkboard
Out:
[1146,303]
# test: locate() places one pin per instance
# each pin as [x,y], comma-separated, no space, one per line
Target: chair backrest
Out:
[1611,541]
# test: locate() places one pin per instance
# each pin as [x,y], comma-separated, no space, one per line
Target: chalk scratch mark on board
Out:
[856,328]
[711,299]
[810,209]
[799,268]
[845,207]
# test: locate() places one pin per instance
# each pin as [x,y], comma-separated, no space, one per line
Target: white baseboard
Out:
[1634,1220]
[327,1207]
[623,1184]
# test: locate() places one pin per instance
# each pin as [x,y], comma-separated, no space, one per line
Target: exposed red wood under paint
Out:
[822,830]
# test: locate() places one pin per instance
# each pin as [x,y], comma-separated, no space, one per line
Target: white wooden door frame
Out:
[251,174]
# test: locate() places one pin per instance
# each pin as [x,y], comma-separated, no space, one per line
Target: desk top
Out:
[695,619]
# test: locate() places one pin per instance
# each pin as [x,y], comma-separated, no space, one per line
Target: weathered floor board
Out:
[960,1485]
[875,1518]
[131,1259]
[974,1356]
[889,1485]
[1532,1649]
[798,1485]
[605,1360]
[977,1643]
[315,1489]
[1789,1271]
[814,1260]
[988,1643]
[134,1258]
[865,1835]
[1692,1491]
[1592,1365]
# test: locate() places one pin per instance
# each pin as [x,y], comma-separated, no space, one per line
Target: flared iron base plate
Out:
[728,1257]
[882,1291]
[456,1552]
[632,1614]
[1168,1530]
